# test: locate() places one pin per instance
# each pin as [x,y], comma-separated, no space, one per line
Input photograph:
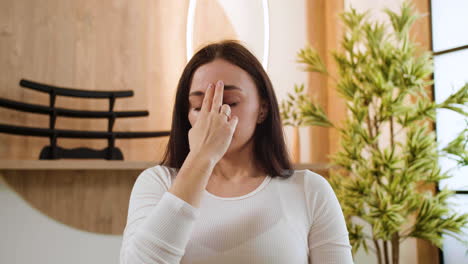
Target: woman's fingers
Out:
[206,104]
[225,108]
[218,97]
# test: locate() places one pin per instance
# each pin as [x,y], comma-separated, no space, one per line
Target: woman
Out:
[225,191]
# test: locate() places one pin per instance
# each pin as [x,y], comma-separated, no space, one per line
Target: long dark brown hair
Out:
[270,149]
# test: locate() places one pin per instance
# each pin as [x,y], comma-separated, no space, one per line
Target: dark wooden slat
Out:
[74,92]
[41,109]
[61,133]
[441,52]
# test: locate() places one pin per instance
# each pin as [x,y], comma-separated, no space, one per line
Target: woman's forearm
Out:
[158,230]
[192,178]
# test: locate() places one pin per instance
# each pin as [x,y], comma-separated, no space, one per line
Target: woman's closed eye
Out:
[231,105]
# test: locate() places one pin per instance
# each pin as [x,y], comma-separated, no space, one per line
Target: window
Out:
[450,47]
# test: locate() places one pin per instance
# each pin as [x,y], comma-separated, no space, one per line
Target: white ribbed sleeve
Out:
[159,223]
[328,235]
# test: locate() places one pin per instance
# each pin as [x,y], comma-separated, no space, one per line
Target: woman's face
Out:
[240,93]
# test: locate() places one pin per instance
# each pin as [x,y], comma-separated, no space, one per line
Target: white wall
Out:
[288,35]
[28,236]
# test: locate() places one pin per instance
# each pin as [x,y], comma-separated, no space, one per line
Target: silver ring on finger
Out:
[226,111]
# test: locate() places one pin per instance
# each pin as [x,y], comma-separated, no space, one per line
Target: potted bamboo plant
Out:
[388,153]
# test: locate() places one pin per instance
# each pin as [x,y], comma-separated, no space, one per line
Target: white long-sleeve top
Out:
[293,220]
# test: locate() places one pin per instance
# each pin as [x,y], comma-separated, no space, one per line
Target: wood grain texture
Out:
[93,201]
[421,32]
[317,88]
[92,45]
[324,32]
[72,164]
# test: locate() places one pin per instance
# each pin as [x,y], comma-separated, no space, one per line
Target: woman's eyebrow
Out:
[226,88]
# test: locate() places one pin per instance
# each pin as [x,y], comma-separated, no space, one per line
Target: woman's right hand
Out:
[212,133]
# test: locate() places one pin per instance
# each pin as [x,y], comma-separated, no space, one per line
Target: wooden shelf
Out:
[83,164]
[73,164]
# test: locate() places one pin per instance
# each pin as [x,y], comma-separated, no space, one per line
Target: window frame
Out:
[435,54]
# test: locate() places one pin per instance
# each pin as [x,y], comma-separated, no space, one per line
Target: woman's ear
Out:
[263,112]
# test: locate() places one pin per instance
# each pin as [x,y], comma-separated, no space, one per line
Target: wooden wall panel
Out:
[93,201]
[421,32]
[317,83]
[93,45]
[324,33]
